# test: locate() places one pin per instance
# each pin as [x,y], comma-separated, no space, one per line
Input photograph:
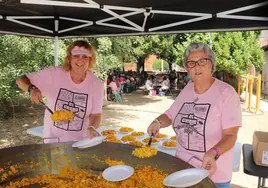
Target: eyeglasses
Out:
[201,62]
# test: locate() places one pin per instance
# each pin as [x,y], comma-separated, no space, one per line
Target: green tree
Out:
[106,59]
[235,51]
[157,65]
[165,47]
[21,55]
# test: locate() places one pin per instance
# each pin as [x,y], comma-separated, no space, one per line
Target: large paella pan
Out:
[82,166]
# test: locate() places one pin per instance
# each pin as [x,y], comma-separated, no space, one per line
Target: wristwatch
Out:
[31,86]
[217,152]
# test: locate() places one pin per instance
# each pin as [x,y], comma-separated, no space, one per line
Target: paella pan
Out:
[68,166]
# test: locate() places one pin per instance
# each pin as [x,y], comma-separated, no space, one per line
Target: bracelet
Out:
[92,127]
[159,122]
[217,152]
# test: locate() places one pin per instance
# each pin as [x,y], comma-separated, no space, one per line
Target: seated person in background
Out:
[165,84]
[127,81]
[113,86]
[149,83]
[109,79]
[132,79]
[122,79]
[117,82]
[187,79]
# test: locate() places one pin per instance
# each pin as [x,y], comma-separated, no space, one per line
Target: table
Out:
[251,168]
[38,131]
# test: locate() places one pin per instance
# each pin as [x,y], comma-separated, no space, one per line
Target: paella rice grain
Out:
[160,135]
[154,140]
[126,129]
[111,162]
[62,115]
[108,132]
[128,138]
[137,133]
[136,143]
[143,177]
[144,152]
[112,138]
[169,143]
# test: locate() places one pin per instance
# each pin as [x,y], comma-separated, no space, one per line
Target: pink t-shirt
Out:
[198,121]
[63,94]
[122,80]
[114,87]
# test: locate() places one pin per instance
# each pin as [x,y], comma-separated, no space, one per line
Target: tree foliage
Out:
[235,51]
[157,65]
[21,55]
[106,59]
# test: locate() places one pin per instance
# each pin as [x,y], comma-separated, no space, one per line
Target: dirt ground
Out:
[137,111]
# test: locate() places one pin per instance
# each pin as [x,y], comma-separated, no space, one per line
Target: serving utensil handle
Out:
[150,140]
[47,107]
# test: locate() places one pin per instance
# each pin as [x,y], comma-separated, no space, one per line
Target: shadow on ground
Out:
[252,113]
[129,98]
[23,117]
[113,117]
[26,115]
[144,98]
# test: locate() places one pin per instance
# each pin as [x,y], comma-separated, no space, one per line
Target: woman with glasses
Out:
[205,116]
[72,87]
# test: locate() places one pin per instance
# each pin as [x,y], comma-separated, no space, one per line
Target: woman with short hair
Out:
[205,116]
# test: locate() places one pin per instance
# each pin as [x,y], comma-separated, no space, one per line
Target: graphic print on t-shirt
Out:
[189,125]
[75,102]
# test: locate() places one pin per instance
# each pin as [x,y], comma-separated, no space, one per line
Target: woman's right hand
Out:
[36,96]
[153,128]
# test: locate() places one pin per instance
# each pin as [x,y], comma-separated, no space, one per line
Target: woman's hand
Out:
[92,132]
[36,96]
[154,128]
[209,162]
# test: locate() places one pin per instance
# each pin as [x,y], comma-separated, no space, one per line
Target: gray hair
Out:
[197,46]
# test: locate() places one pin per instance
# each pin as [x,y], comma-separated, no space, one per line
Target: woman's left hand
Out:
[209,162]
[92,133]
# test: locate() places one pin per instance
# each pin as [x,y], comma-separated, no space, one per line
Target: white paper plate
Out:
[117,173]
[185,178]
[120,132]
[152,143]
[165,138]
[86,142]
[139,137]
[168,147]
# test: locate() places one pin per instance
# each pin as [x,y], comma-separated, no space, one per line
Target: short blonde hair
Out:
[80,43]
